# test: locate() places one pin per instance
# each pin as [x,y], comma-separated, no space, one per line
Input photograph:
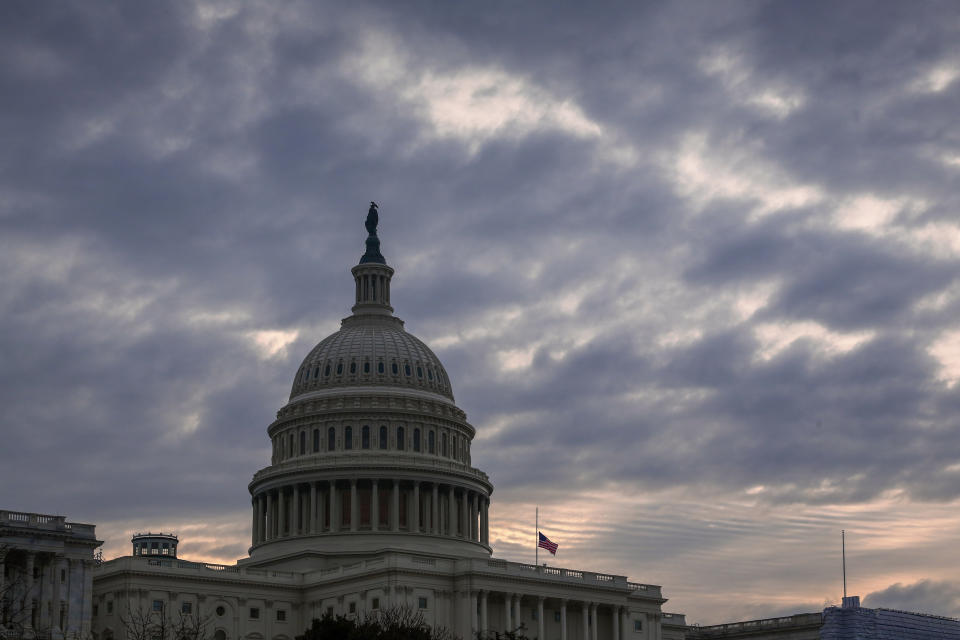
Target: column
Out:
[395,513]
[435,514]
[615,619]
[517,618]
[295,512]
[414,525]
[334,509]
[354,510]
[594,622]
[55,604]
[3,584]
[374,506]
[464,517]
[508,605]
[261,516]
[474,622]
[486,521]
[483,613]
[28,589]
[313,507]
[585,609]
[563,620]
[255,508]
[86,567]
[474,510]
[282,520]
[452,513]
[270,519]
[540,625]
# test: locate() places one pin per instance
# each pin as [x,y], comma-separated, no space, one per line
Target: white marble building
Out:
[370,501]
[46,569]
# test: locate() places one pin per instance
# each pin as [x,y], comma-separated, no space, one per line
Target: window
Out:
[401,439]
[365,437]
[303,442]
[416,439]
[383,437]
[281,615]
[109,606]
[326,370]
[366,367]
[353,607]
[432,442]
[331,439]
[429,374]
[254,613]
[406,369]
[330,611]
[158,605]
[316,372]
[422,602]
[220,611]
[638,625]
[394,368]
[556,616]
[533,614]
[339,368]
[290,446]
[348,438]
[63,575]
[316,440]
[96,611]
[353,367]
[419,372]
[443,444]
[375,604]
[186,607]
[379,367]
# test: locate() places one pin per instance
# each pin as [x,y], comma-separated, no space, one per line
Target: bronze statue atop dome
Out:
[373,242]
[373,219]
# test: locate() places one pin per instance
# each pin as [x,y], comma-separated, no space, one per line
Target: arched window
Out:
[348,438]
[326,370]
[366,367]
[316,372]
[331,439]
[290,446]
[365,437]
[303,442]
[419,371]
[416,439]
[316,440]
[432,441]
[339,368]
[353,367]
[401,439]
[406,369]
[383,437]
[394,368]
[429,373]
[443,444]
[380,367]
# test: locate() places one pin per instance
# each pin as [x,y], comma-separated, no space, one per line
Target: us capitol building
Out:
[371,501]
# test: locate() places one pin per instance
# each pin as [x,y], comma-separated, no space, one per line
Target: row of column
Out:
[619,616]
[359,504]
[43,602]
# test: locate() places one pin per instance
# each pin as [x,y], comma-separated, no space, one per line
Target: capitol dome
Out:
[371,350]
[370,452]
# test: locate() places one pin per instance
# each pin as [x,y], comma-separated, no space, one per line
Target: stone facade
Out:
[46,569]
[371,501]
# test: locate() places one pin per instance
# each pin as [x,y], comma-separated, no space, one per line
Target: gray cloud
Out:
[177,178]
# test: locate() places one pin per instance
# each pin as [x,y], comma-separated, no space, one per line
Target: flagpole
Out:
[536,541]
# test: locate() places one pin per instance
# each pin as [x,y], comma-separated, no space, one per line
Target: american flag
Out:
[544,543]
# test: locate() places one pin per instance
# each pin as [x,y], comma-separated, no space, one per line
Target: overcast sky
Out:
[693,269]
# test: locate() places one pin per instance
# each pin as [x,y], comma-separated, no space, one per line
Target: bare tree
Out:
[153,624]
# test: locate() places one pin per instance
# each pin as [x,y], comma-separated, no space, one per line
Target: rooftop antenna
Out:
[843,551]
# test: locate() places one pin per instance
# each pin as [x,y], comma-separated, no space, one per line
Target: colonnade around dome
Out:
[370,505]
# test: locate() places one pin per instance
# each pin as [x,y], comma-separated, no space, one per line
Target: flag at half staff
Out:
[545,543]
